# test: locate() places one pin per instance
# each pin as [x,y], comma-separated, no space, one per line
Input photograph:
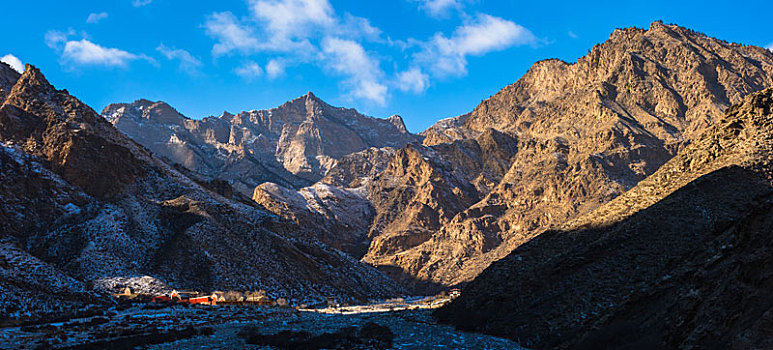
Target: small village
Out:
[198,298]
[261,298]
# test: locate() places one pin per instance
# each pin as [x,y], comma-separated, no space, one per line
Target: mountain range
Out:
[435,209]
[293,145]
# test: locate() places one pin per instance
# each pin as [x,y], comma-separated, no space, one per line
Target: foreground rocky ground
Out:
[178,327]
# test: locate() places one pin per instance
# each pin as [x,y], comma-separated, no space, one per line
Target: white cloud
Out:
[310,32]
[140,3]
[769,47]
[358,27]
[188,63]
[439,8]
[413,80]
[56,39]
[274,68]
[447,56]
[287,26]
[85,52]
[249,70]
[14,62]
[363,72]
[572,35]
[290,19]
[230,34]
[94,18]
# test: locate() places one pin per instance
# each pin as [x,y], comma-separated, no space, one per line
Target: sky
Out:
[422,59]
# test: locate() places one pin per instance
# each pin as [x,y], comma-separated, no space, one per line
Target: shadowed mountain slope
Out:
[679,261]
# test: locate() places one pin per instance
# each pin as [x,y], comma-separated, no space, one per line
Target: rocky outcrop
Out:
[382,201]
[423,188]
[83,199]
[676,262]
[448,130]
[357,169]
[338,217]
[586,132]
[292,145]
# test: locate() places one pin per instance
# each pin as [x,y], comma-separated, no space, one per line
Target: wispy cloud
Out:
[413,80]
[447,56]
[187,63]
[56,39]
[275,68]
[362,72]
[230,34]
[249,71]
[84,52]
[289,23]
[439,8]
[14,62]
[769,47]
[94,18]
[572,35]
[140,3]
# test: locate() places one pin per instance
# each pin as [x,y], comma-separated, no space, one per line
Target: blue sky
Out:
[423,59]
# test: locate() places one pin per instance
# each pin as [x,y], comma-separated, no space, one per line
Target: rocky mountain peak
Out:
[397,121]
[162,112]
[144,110]
[33,79]
[81,146]
[310,96]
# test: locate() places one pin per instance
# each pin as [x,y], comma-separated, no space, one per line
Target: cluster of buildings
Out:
[197,298]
